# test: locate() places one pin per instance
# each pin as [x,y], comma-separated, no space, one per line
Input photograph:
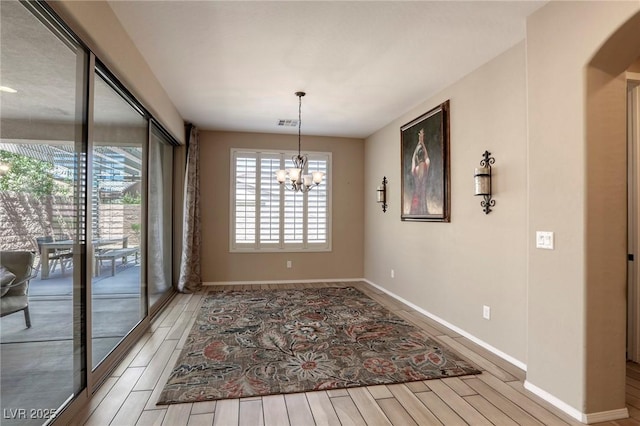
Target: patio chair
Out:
[57,257]
[16,271]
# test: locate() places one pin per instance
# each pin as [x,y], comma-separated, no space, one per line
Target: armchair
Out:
[16,271]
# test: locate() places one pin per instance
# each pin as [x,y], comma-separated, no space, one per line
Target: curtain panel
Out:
[190,279]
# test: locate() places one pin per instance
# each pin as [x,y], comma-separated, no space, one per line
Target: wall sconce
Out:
[382,194]
[482,178]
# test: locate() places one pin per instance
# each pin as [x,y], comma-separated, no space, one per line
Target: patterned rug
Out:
[262,342]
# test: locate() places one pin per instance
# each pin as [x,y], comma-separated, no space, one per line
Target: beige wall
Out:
[96,24]
[576,189]
[453,269]
[559,167]
[346,258]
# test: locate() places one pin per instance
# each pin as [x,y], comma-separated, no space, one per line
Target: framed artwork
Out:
[425,167]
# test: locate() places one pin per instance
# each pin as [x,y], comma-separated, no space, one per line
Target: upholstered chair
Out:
[16,270]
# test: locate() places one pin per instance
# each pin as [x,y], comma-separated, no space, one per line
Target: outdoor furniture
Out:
[112,255]
[49,249]
[53,253]
[16,270]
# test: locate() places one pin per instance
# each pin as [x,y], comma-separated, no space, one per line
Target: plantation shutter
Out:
[317,207]
[265,216]
[293,214]
[245,198]
[269,199]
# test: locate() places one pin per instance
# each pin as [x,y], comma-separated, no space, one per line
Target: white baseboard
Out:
[573,412]
[458,330]
[331,280]
[590,418]
[606,416]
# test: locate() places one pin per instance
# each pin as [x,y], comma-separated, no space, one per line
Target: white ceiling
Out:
[235,65]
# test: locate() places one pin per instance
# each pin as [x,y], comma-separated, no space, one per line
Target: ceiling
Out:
[235,65]
[41,66]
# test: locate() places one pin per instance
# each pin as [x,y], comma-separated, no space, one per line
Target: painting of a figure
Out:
[425,166]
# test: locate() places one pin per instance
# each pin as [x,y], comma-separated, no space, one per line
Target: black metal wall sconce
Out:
[382,194]
[482,178]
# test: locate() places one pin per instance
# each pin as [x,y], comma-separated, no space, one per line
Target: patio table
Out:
[49,247]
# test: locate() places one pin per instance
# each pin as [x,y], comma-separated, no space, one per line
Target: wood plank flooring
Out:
[495,397]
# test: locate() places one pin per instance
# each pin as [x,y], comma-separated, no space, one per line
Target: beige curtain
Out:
[190,279]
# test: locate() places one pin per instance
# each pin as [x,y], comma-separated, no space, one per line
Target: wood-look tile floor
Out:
[497,396]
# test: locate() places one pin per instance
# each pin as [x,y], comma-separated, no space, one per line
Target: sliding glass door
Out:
[86,183]
[42,218]
[120,135]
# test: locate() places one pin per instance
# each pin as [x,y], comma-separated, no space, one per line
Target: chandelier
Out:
[293,178]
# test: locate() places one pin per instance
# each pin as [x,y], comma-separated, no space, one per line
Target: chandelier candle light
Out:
[293,179]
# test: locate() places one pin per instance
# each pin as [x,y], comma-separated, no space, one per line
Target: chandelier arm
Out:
[299,188]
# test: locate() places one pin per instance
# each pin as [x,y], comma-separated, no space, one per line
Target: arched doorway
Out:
[606,216]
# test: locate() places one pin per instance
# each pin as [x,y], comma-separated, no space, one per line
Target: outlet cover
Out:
[393,273]
[544,240]
[288,264]
[486,312]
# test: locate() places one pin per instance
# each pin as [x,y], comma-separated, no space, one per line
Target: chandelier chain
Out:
[300,95]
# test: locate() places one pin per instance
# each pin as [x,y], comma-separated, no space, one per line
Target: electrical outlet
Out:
[544,240]
[393,273]
[288,264]
[486,312]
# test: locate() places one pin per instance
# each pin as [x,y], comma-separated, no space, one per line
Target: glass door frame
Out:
[633,224]
[96,376]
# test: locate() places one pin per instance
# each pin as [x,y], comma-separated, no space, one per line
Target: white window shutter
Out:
[269,199]
[265,216]
[317,204]
[245,198]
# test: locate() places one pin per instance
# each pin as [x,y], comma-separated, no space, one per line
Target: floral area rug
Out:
[262,342]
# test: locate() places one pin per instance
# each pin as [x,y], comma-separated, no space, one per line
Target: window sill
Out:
[280,250]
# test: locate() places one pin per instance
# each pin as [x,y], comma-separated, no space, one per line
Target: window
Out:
[266,216]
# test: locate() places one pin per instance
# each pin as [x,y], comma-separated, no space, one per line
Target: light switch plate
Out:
[544,240]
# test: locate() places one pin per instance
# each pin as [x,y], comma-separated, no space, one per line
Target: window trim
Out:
[279,247]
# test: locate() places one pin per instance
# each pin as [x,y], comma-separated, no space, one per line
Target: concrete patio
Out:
[39,360]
